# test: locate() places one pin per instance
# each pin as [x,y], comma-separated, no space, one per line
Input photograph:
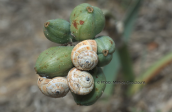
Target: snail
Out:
[97,91]
[84,55]
[55,88]
[80,82]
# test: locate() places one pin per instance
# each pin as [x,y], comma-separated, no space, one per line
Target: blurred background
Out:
[22,40]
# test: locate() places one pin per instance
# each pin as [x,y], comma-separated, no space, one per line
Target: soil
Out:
[22,40]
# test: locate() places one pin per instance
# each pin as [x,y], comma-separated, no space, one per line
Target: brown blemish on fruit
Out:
[111,41]
[46,24]
[74,14]
[96,76]
[96,89]
[53,53]
[81,22]
[75,24]
[45,66]
[105,52]
[90,9]
[73,32]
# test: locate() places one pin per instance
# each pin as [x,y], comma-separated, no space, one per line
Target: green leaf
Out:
[151,72]
[111,71]
[130,19]
[125,58]
[126,63]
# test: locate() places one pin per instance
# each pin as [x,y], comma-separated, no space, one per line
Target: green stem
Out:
[123,59]
[111,72]
[130,19]
[150,73]
[126,63]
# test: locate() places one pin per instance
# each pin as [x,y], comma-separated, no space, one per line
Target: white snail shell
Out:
[80,82]
[42,83]
[56,87]
[84,55]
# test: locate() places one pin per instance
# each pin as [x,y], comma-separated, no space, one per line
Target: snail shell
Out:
[56,87]
[80,82]
[42,83]
[84,55]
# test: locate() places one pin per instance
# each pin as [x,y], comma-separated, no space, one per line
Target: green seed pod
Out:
[58,31]
[105,50]
[55,61]
[97,91]
[86,21]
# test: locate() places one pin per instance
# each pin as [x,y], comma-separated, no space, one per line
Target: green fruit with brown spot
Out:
[58,31]
[86,21]
[99,87]
[105,50]
[55,61]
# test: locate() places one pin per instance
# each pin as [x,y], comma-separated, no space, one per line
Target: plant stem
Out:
[150,73]
[126,63]
[111,72]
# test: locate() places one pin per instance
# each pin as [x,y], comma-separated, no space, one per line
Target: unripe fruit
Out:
[97,91]
[55,61]
[58,31]
[105,50]
[86,21]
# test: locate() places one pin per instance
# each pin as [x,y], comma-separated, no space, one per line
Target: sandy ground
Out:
[22,40]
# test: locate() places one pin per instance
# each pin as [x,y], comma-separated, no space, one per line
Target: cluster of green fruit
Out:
[75,62]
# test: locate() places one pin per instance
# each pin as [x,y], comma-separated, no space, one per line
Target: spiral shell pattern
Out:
[87,60]
[84,55]
[42,83]
[80,82]
[56,87]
